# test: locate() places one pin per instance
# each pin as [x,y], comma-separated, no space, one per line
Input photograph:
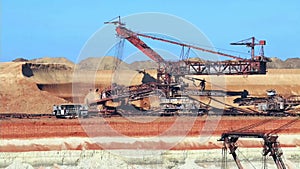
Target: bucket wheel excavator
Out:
[169,88]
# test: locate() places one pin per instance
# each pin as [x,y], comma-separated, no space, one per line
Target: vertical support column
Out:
[271,146]
[252,47]
[230,143]
[264,162]
[224,158]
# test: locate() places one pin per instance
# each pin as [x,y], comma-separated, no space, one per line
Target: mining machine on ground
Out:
[273,104]
[168,87]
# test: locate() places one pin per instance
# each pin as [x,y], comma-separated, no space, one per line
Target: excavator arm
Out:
[133,38]
[237,66]
[137,42]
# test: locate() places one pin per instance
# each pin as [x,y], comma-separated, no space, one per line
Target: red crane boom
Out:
[136,41]
[133,38]
[191,46]
[255,65]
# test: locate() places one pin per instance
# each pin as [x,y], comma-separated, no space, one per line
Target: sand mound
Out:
[102,63]
[57,60]
[47,73]
[141,65]
[290,63]
[285,81]
[18,93]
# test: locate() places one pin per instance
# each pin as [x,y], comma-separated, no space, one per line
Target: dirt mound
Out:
[19,93]
[138,65]
[285,81]
[20,60]
[48,72]
[102,63]
[57,60]
[290,63]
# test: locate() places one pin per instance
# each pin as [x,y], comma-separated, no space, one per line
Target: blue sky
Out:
[60,28]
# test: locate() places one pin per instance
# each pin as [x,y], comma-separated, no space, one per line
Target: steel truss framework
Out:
[271,147]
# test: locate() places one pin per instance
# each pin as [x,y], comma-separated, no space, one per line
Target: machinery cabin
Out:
[70,110]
